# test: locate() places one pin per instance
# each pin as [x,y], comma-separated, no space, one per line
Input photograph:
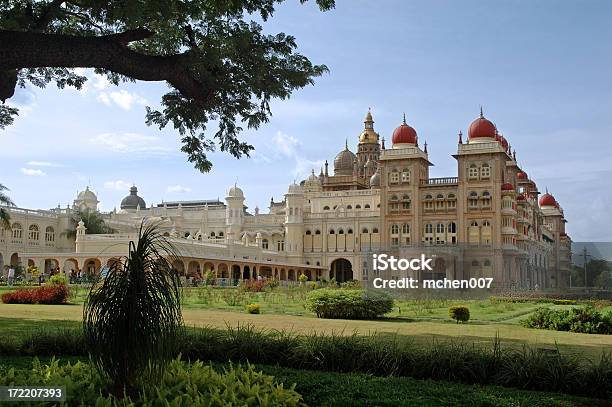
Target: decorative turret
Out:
[294,219]
[234,213]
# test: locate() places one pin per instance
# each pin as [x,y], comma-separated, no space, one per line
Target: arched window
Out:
[357,206]
[364,230]
[317,232]
[428,197]
[486,224]
[485,171]
[473,199]
[332,232]
[308,233]
[350,231]
[439,196]
[49,234]
[349,207]
[452,227]
[326,208]
[394,176]
[440,228]
[405,228]
[394,229]
[375,230]
[474,223]
[33,232]
[220,234]
[340,231]
[17,230]
[428,228]
[212,234]
[405,175]
[394,198]
[367,206]
[265,244]
[473,172]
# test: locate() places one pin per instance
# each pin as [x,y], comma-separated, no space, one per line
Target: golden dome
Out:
[368,135]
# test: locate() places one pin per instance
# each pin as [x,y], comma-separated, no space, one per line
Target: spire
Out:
[346,143]
[383,143]
[404,120]
[481,114]
[425,147]
[514,155]
[460,137]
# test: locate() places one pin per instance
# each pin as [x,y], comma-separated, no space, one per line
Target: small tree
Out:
[132,318]
[5,216]
[459,313]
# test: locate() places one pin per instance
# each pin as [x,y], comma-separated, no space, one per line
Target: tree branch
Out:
[35,50]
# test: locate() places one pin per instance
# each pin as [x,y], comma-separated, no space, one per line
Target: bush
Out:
[382,355]
[58,279]
[581,320]
[348,303]
[253,286]
[51,294]
[564,302]
[182,384]
[253,308]
[459,313]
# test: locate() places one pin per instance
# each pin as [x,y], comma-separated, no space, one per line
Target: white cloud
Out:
[31,172]
[121,98]
[43,164]
[290,147]
[129,143]
[118,185]
[178,189]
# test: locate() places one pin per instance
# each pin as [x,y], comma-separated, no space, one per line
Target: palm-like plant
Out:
[93,220]
[132,318]
[5,216]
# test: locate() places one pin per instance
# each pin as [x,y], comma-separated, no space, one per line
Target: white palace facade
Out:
[489,220]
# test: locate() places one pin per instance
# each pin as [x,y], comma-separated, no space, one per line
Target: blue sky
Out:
[541,70]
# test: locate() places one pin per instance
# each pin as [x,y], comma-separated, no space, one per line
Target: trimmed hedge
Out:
[459,313]
[348,303]
[183,384]
[581,320]
[382,355]
[49,294]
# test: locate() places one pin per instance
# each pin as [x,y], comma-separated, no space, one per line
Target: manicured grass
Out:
[330,389]
[15,318]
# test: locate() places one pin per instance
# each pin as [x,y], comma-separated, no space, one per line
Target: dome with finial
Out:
[235,192]
[87,195]
[403,135]
[295,189]
[133,201]
[343,163]
[481,129]
[312,183]
[522,175]
[368,135]
[548,200]
[507,187]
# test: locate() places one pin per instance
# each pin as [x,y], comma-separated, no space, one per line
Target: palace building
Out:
[490,220]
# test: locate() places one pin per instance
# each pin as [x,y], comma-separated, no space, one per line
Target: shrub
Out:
[58,279]
[564,302]
[348,303]
[303,278]
[253,286]
[459,313]
[52,294]
[182,384]
[582,320]
[253,308]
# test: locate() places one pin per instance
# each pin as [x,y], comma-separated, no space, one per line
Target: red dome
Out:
[502,140]
[404,134]
[507,187]
[547,200]
[521,175]
[481,127]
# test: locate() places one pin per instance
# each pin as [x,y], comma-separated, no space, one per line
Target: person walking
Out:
[11,276]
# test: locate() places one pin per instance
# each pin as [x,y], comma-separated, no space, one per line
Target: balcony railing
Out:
[440,181]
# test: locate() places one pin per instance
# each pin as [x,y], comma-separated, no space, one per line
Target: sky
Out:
[541,71]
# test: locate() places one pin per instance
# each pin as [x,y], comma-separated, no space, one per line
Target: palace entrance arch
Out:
[341,270]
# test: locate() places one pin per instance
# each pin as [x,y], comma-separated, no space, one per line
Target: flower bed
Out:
[51,294]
